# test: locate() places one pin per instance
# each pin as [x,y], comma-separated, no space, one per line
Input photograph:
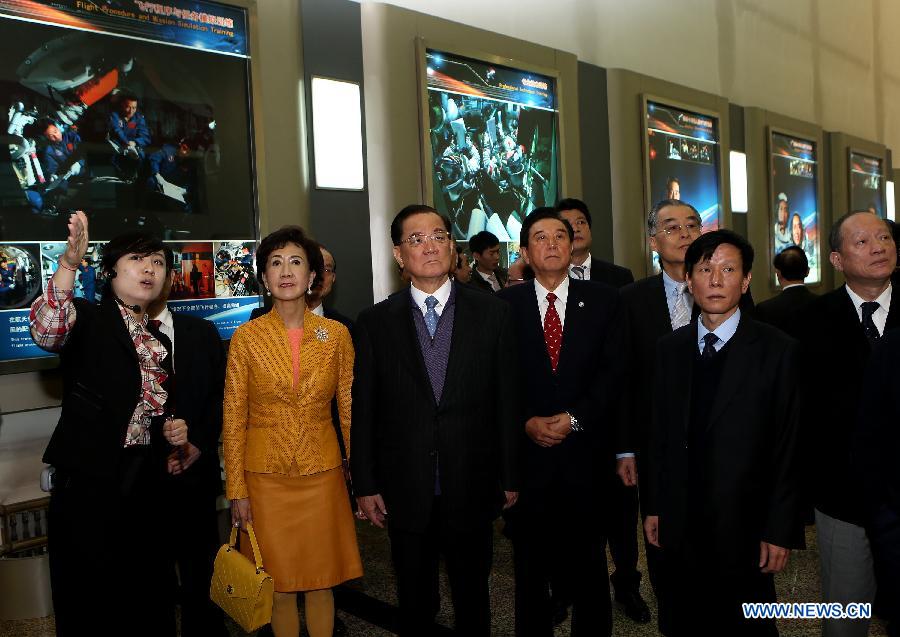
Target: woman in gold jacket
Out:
[282,459]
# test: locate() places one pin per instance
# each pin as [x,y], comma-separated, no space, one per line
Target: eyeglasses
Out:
[415,240]
[677,228]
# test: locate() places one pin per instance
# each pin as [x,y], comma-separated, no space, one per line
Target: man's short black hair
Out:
[482,241]
[542,213]
[282,237]
[792,263]
[575,204]
[835,239]
[44,123]
[406,213]
[140,243]
[703,247]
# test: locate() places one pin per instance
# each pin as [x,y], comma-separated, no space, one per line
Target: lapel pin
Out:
[321,334]
[580,303]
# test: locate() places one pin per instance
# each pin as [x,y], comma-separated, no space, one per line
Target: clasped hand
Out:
[548,431]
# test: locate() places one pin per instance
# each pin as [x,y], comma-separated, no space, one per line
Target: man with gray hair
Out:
[839,330]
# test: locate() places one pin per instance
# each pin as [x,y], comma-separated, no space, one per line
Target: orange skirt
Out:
[305,529]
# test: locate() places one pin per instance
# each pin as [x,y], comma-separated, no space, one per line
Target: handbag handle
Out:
[232,542]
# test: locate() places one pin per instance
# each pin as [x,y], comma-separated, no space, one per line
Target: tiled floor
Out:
[799,582]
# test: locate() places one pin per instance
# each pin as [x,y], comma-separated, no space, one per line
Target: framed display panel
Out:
[139,114]
[682,159]
[865,182]
[490,139]
[794,205]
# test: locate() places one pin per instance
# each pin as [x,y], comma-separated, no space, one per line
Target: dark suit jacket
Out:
[610,273]
[647,314]
[101,383]
[783,310]
[751,448]
[478,281]
[400,434]
[586,383]
[835,353]
[877,437]
[200,383]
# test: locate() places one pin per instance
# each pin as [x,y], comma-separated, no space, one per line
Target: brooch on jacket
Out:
[321,334]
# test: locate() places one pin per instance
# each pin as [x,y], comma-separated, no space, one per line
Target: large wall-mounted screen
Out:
[493,143]
[867,190]
[682,149]
[794,212]
[137,113]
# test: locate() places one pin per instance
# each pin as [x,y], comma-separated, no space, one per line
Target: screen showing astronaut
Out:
[683,159]
[867,190]
[794,217]
[137,113]
[494,143]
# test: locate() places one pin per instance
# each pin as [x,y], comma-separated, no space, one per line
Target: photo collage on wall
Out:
[493,134]
[794,219]
[867,189]
[683,161]
[138,114]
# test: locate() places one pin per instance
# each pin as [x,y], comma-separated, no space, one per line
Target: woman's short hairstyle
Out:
[282,237]
[140,243]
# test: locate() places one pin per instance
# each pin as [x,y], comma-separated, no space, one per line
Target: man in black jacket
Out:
[569,335]
[583,265]
[199,371]
[436,426]
[487,273]
[723,483]
[782,311]
[838,331]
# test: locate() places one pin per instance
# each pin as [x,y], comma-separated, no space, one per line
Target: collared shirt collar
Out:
[561,291]
[165,317]
[884,306]
[792,285]
[725,331]
[586,266]
[442,294]
[670,284]
[319,310]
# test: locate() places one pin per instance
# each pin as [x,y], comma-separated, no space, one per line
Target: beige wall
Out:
[277,75]
[829,62]
[393,134]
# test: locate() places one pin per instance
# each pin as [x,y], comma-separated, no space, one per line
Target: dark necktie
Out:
[552,331]
[578,271]
[868,309]
[709,350]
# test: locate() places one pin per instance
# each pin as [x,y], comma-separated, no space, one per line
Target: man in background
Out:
[198,367]
[583,265]
[487,274]
[782,311]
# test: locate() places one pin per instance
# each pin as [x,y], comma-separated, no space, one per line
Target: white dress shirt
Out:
[319,310]
[879,317]
[167,327]
[562,294]
[671,287]
[491,280]
[442,294]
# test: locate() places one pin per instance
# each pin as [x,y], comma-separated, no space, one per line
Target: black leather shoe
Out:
[634,606]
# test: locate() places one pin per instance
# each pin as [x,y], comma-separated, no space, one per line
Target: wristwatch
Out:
[573,422]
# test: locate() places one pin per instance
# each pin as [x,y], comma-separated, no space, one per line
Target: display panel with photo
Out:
[683,159]
[494,143]
[867,190]
[137,113]
[794,219]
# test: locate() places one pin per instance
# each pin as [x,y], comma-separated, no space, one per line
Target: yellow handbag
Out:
[241,588]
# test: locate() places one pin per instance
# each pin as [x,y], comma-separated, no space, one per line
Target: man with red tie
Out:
[569,333]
